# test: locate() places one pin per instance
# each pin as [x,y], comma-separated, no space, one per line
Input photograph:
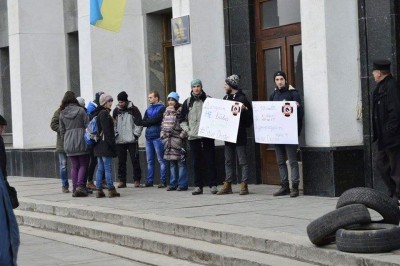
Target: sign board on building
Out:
[180,30]
[220,119]
[275,122]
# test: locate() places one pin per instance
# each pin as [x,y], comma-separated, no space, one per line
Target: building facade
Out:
[326,48]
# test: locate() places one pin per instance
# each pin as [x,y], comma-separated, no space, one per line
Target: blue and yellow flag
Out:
[107,14]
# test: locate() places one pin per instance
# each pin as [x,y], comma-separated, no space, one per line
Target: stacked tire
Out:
[351,226]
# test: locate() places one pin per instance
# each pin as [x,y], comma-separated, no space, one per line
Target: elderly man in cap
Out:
[386,126]
[234,93]
[128,120]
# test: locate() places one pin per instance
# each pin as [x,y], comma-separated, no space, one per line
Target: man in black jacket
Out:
[233,93]
[386,126]
[3,158]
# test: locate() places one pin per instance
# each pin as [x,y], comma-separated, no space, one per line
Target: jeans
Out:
[104,167]
[230,160]
[122,156]
[281,150]
[178,177]
[79,166]
[203,157]
[62,159]
[153,147]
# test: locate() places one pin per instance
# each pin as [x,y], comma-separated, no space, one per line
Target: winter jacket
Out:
[191,114]
[10,241]
[3,157]
[152,120]
[105,147]
[73,122]
[55,126]
[91,107]
[172,135]
[127,123]
[386,113]
[246,116]
[288,93]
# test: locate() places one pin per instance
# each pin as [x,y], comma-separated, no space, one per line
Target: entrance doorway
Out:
[278,37]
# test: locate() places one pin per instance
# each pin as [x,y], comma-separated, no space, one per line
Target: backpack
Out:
[91,135]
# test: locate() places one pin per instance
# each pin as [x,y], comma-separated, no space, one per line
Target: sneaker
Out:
[181,189]
[65,190]
[294,193]
[171,188]
[284,190]
[244,190]
[100,193]
[162,185]
[136,184]
[197,191]
[91,185]
[214,190]
[113,193]
[226,189]
[148,184]
[121,184]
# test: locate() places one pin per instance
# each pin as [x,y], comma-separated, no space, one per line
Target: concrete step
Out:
[137,255]
[253,239]
[182,248]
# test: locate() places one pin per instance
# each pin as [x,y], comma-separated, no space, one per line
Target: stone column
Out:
[333,156]
[204,57]
[37,69]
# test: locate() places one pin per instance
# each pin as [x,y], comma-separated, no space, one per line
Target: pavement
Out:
[260,214]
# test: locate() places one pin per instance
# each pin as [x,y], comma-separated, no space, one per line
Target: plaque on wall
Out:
[180,30]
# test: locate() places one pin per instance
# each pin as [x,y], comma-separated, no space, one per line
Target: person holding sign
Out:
[201,148]
[241,105]
[285,92]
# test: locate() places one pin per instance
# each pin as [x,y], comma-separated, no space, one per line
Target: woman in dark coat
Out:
[105,148]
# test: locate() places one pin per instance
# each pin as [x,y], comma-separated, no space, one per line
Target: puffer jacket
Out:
[191,114]
[55,126]
[127,124]
[105,147]
[73,122]
[152,120]
[172,135]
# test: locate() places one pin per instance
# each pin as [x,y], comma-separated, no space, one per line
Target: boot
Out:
[284,190]
[295,191]
[113,193]
[121,184]
[81,192]
[100,193]
[91,185]
[136,183]
[226,189]
[244,190]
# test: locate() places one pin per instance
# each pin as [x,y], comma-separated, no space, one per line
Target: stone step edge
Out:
[277,243]
[107,248]
[182,248]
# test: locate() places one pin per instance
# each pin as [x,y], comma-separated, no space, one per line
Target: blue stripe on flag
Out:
[95,11]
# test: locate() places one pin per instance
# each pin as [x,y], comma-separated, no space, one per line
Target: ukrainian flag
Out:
[107,14]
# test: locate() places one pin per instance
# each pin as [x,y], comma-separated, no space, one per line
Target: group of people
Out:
[168,131]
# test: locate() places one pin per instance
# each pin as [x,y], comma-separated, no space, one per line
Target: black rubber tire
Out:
[372,238]
[373,199]
[322,231]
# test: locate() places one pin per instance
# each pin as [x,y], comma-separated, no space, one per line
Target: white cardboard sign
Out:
[220,119]
[275,122]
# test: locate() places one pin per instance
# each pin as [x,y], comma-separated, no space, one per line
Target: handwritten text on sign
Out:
[220,119]
[275,122]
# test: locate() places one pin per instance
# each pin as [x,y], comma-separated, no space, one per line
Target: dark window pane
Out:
[272,64]
[276,13]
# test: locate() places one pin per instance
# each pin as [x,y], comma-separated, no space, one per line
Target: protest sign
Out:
[275,122]
[220,119]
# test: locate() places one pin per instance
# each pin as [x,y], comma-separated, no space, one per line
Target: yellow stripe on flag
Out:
[113,13]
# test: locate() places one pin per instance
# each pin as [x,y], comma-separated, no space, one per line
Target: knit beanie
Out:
[122,96]
[196,82]
[3,122]
[81,101]
[97,96]
[104,98]
[233,81]
[280,73]
[174,96]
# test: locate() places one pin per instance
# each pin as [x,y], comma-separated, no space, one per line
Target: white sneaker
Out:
[214,190]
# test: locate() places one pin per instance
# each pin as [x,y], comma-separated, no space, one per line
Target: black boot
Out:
[284,190]
[295,191]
